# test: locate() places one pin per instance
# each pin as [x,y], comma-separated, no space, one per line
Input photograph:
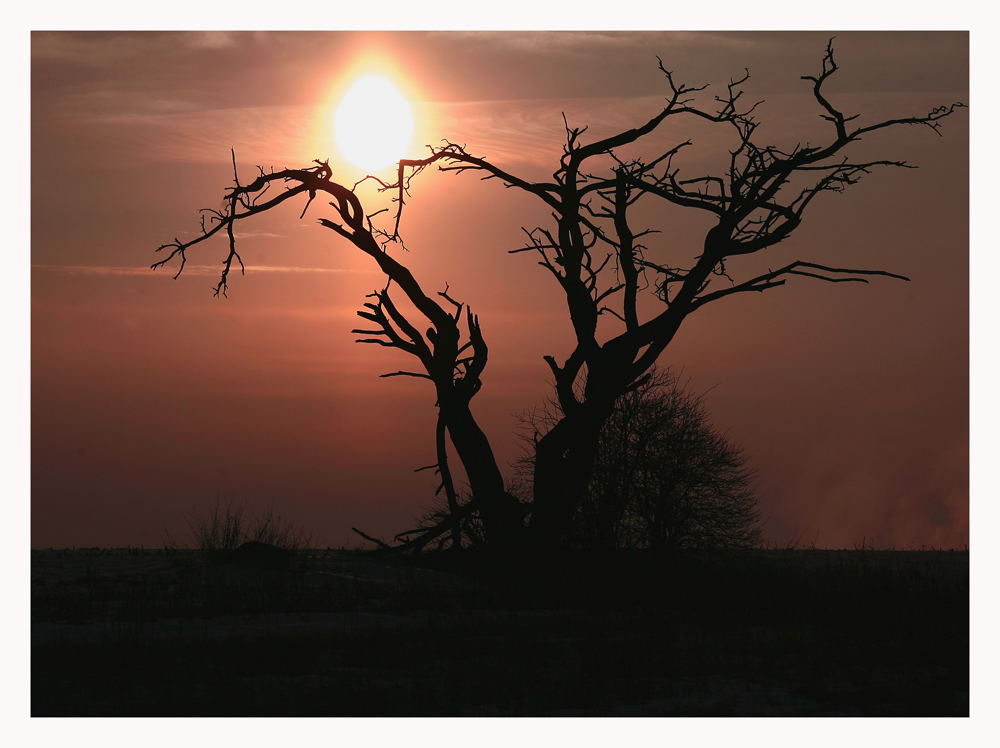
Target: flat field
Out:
[344,633]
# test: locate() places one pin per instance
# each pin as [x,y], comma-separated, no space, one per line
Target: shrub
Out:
[228,527]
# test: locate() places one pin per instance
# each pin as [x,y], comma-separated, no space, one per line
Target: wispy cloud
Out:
[211,39]
[244,234]
[278,135]
[189,269]
[532,130]
[94,48]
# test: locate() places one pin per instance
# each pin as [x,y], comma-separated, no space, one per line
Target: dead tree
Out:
[452,365]
[602,263]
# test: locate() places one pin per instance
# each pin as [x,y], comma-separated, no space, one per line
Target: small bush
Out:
[228,527]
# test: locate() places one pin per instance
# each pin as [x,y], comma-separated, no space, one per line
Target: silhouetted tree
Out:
[454,367]
[603,264]
[665,478]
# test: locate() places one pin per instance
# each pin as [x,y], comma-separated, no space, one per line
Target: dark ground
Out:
[126,632]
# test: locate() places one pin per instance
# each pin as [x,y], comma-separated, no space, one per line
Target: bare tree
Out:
[454,367]
[602,263]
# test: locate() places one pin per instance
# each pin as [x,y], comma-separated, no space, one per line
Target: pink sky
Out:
[151,399]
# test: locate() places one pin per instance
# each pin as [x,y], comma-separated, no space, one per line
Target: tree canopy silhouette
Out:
[602,264]
[664,478]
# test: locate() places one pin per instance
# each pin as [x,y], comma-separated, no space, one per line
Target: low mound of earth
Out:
[144,632]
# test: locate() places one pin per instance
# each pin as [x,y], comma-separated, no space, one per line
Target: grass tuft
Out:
[227,527]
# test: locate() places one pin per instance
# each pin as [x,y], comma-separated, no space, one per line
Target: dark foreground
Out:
[347,633]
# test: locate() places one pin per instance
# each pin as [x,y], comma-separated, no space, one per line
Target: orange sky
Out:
[150,399]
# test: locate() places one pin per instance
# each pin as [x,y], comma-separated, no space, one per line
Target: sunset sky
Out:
[151,400]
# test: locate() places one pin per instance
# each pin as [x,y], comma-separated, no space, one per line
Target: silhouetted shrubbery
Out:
[664,477]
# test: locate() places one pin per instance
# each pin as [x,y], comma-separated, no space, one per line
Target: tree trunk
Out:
[500,511]
[447,484]
[564,463]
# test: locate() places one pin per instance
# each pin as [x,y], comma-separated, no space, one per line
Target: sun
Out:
[373,124]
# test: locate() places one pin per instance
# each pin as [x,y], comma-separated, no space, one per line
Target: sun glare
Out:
[373,124]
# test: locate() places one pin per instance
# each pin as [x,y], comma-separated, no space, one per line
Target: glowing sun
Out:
[373,124]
